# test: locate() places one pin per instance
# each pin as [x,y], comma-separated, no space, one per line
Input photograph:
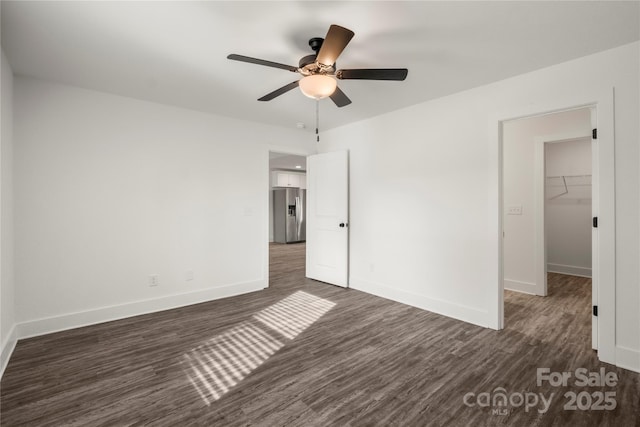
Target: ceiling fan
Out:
[317,69]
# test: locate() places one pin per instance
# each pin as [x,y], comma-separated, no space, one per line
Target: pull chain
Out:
[317,120]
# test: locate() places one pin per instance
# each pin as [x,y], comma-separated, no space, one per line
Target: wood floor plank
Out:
[285,356]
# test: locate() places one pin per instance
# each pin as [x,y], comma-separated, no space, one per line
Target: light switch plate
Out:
[514,210]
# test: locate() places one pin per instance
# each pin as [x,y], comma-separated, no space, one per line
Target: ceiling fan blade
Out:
[251,60]
[334,43]
[339,98]
[278,92]
[373,74]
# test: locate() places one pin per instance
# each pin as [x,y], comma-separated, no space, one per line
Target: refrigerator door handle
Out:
[297,209]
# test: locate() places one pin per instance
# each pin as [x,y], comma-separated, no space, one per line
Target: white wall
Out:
[568,216]
[519,143]
[7,290]
[423,186]
[110,190]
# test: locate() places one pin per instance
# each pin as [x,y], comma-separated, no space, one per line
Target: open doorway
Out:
[568,207]
[287,218]
[603,318]
[547,175]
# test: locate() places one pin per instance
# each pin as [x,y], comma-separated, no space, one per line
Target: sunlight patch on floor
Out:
[214,367]
[294,314]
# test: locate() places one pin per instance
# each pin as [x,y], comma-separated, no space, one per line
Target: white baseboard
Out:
[7,349]
[571,270]
[524,287]
[64,322]
[445,308]
[627,358]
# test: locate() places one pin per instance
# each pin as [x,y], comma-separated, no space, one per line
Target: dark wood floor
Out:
[310,354]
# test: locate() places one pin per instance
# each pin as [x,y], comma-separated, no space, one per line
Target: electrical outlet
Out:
[154,280]
[514,210]
[189,275]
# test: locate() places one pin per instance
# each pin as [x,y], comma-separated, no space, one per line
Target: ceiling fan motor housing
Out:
[307,60]
[308,65]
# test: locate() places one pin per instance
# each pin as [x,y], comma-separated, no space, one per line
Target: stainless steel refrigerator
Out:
[289,210]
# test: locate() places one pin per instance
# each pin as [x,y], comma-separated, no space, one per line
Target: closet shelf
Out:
[565,182]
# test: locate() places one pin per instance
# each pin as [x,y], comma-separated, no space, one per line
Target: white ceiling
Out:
[175,52]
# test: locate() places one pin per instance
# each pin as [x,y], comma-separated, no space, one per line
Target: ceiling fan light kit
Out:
[318,86]
[319,70]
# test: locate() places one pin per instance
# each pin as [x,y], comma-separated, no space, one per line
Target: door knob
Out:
[342,224]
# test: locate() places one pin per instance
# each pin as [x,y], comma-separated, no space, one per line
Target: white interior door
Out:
[328,218]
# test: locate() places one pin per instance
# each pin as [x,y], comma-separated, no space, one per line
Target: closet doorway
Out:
[568,207]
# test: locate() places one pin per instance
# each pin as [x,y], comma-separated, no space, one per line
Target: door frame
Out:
[265,248]
[604,265]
